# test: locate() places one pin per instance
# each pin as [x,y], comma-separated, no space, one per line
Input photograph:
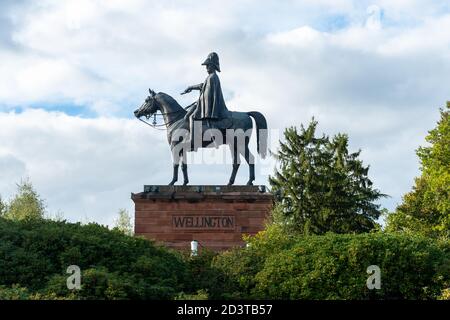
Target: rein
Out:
[150,125]
[167,113]
[155,126]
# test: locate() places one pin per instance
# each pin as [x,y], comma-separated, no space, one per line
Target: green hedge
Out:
[35,254]
[332,266]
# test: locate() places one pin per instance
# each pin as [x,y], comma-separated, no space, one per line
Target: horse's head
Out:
[149,107]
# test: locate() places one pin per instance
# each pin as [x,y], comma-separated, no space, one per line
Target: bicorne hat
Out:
[213,59]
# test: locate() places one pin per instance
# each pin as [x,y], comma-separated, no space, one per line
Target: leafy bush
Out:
[36,253]
[14,292]
[445,294]
[334,266]
[199,295]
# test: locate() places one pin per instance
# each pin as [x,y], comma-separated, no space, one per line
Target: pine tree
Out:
[321,187]
[426,209]
[26,204]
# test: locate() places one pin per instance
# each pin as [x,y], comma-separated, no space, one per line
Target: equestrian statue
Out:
[206,123]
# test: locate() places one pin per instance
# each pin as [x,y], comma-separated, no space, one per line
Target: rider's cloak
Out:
[211,104]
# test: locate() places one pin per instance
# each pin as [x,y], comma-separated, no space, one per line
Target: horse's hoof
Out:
[230,183]
[185,183]
[250,183]
[172,183]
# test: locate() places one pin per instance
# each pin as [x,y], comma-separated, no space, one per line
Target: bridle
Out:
[162,114]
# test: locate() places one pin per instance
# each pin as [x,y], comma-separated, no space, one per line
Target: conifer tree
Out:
[321,187]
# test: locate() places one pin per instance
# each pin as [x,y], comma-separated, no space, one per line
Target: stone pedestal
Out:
[216,216]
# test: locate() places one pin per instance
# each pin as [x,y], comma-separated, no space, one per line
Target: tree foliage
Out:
[426,209]
[123,222]
[321,186]
[277,265]
[26,204]
[2,207]
[35,254]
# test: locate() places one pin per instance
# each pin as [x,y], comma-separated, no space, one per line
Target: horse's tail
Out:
[261,132]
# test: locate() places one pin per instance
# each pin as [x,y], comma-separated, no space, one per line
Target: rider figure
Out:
[210,105]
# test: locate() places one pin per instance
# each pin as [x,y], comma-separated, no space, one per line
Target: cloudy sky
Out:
[72,72]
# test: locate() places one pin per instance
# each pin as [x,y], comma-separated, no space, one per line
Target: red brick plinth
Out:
[216,216]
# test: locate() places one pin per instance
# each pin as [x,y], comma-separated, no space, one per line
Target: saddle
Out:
[220,124]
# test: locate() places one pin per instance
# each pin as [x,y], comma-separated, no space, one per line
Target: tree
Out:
[320,186]
[26,204]
[123,222]
[2,207]
[426,209]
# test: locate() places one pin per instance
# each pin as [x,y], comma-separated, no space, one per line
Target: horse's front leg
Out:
[184,168]
[175,174]
[176,161]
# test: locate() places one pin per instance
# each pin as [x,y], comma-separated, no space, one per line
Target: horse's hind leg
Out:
[233,174]
[185,174]
[250,161]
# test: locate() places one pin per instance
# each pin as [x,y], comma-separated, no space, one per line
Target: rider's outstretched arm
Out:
[197,86]
[194,87]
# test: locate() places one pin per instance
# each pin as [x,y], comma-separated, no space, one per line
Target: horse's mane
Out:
[168,100]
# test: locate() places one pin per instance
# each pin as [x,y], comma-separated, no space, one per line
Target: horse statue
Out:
[237,128]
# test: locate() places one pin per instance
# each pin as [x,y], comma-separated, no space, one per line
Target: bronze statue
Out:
[206,123]
[210,106]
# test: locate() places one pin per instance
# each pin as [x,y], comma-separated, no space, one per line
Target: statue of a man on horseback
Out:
[210,119]
[210,106]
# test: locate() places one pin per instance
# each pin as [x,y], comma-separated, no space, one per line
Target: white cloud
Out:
[431,38]
[80,166]
[373,21]
[304,37]
[11,171]
[378,74]
[88,167]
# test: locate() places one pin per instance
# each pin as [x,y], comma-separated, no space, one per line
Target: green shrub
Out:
[445,294]
[332,266]
[36,253]
[14,292]
[199,295]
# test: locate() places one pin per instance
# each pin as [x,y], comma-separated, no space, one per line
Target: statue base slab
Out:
[214,215]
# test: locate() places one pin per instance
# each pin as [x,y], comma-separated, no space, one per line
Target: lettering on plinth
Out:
[203,222]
